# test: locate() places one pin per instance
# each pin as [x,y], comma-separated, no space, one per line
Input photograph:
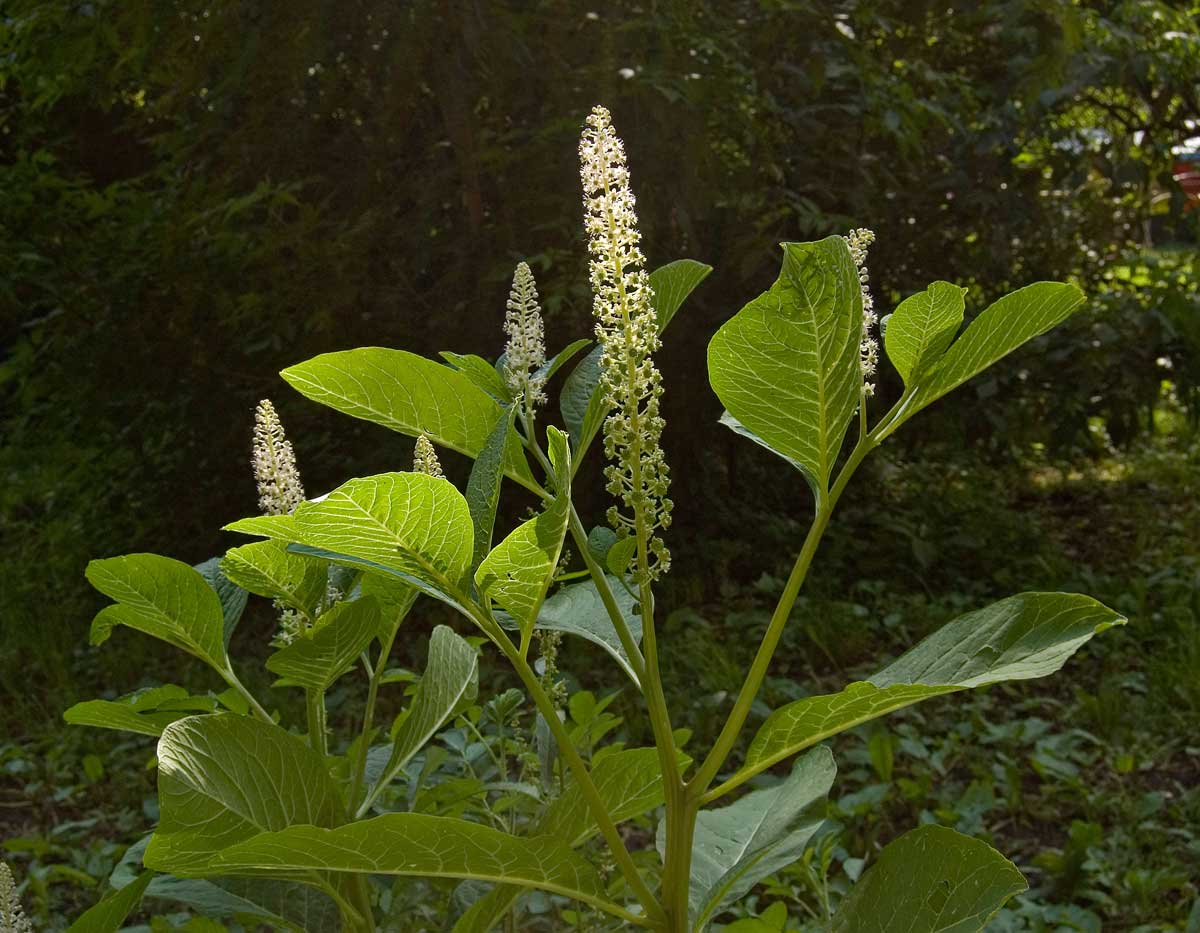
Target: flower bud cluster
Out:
[425,459]
[859,240]
[279,486]
[627,329]
[12,916]
[525,352]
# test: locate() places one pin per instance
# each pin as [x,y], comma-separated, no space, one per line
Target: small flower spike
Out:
[425,459]
[279,486]
[627,329]
[525,352]
[858,241]
[12,916]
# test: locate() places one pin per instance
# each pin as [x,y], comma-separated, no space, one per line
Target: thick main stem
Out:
[315,705]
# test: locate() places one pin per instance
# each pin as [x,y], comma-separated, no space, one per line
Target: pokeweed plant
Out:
[299,832]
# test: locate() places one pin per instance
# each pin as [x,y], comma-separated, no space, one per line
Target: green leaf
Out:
[480,372]
[233,598]
[268,569]
[282,527]
[109,915]
[672,284]
[583,409]
[424,846]
[1019,638]
[161,597]
[1005,325]
[483,486]
[787,365]
[146,712]
[630,784]
[737,846]
[921,328]
[330,648]
[287,903]
[395,598]
[226,778]
[399,575]
[411,522]
[451,678]
[577,609]
[518,571]
[560,359]
[930,880]
[411,395]
[738,428]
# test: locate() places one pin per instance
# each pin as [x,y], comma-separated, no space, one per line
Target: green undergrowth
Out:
[1090,783]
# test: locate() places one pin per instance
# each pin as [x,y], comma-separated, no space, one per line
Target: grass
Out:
[1089,781]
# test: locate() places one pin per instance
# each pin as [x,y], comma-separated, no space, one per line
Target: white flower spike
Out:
[858,241]
[525,352]
[279,486]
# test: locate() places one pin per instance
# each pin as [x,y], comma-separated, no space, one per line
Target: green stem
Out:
[360,764]
[677,872]
[766,650]
[588,787]
[232,679]
[362,898]
[315,704]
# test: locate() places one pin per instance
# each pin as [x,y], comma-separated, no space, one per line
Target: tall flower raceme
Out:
[859,241]
[279,486]
[525,352]
[425,458]
[12,916]
[627,329]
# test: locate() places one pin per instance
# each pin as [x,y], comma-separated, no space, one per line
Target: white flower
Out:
[627,329]
[525,351]
[858,241]
[279,486]
[425,458]
[12,916]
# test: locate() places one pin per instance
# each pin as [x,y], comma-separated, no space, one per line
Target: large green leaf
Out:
[450,679]
[109,915]
[1019,638]
[411,522]
[480,372]
[146,712]
[282,527]
[409,394]
[581,403]
[268,569]
[1005,325]
[930,880]
[737,846]
[630,784]
[162,597]
[518,571]
[921,328]
[787,365]
[426,846]
[483,486]
[226,778]
[233,598]
[394,596]
[577,609]
[330,648]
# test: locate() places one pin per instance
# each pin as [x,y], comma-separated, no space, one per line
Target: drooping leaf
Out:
[787,365]
[146,712]
[480,372]
[109,915]
[421,586]
[161,597]
[411,522]
[315,659]
[483,486]
[577,609]
[737,846]
[233,598]
[583,409]
[1019,638]
[738,428]
[1004,326]
[546,372]
[518,571]
[226,778]
[411,395]
[921,328]
[426,846]
[268,569]
[930,879]
[451,678]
